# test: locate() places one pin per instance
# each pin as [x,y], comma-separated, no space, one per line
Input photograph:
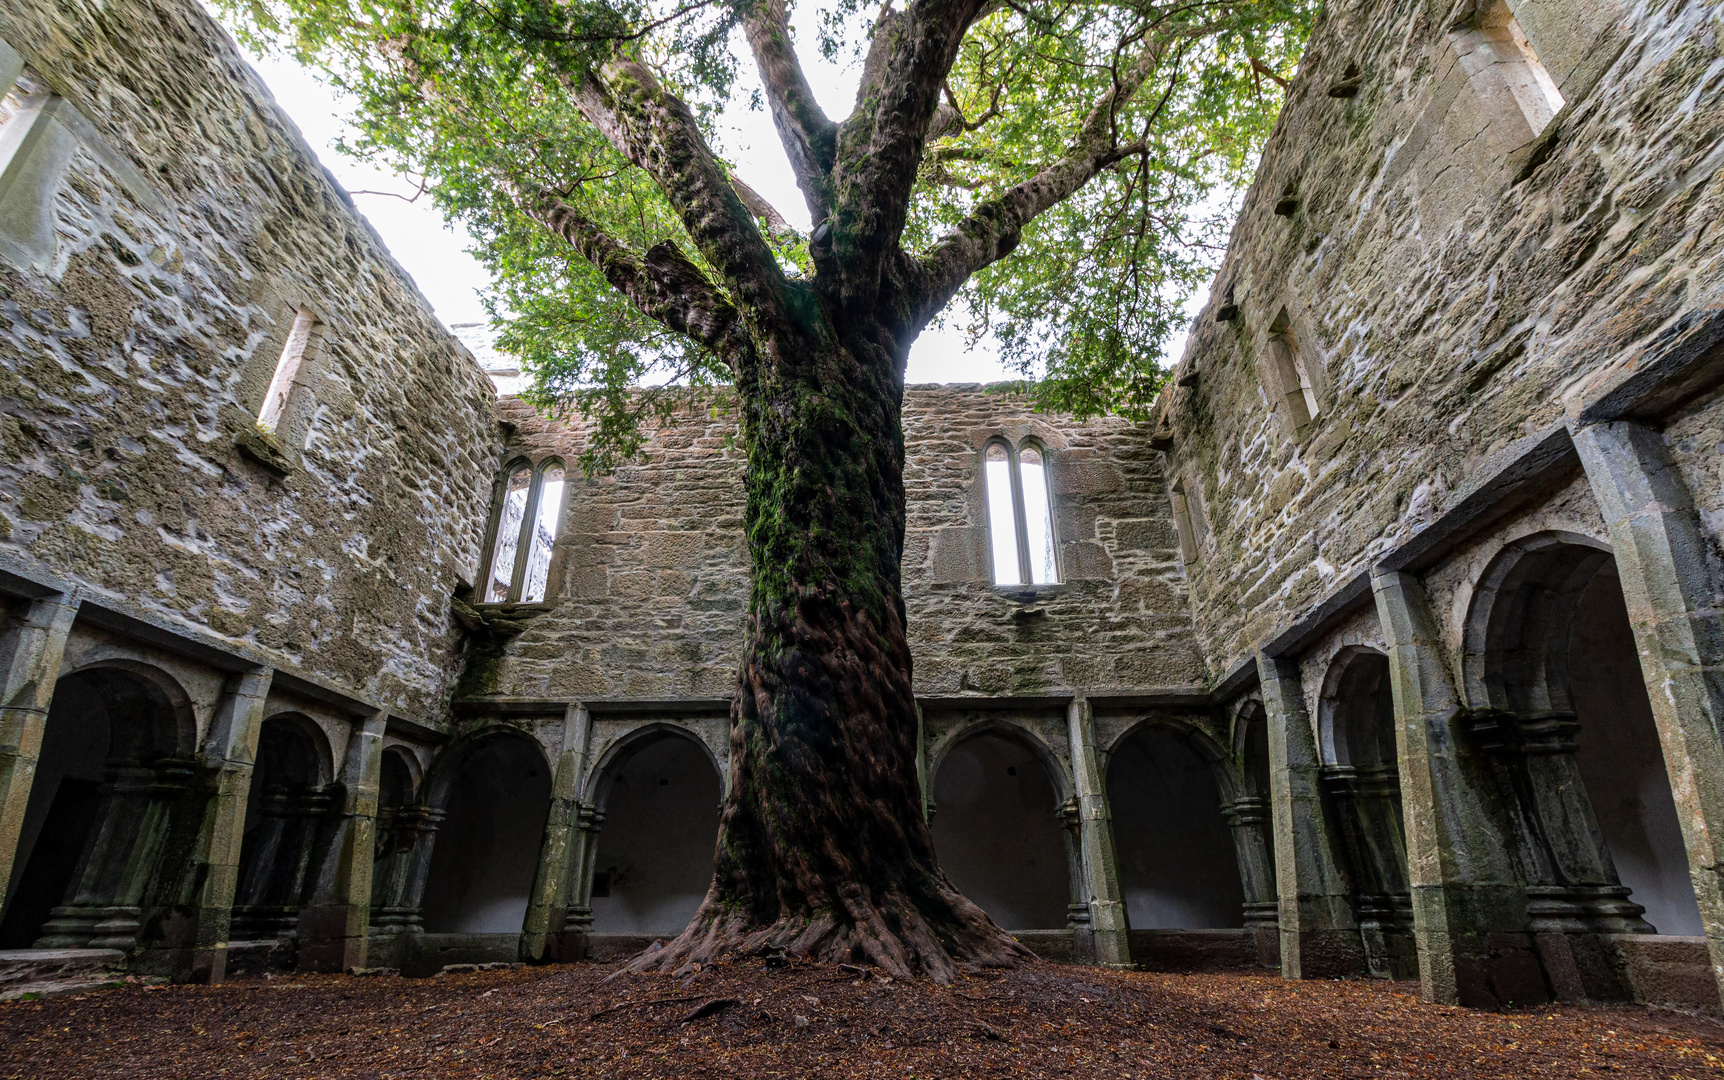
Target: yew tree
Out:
[1060,165]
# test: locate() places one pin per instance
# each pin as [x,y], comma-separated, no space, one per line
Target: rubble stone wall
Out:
[651,575]
[159,233]
[1449,280]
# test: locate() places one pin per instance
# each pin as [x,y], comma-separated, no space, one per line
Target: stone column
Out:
[1673,606]
[30,656]
[230,751]
[1470,920]
[1108,926]
[334,926]
[1319,934]
[548,904]
[418,867]
[588,821]
[1246,816]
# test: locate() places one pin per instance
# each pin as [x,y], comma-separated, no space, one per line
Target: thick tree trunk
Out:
[823,849]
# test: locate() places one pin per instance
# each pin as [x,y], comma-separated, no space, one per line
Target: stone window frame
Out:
[523,545]
[1020,519]
[1291,368]
[1505,72]
[1190,520]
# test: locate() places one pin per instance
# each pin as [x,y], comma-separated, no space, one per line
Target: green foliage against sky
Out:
[475,97]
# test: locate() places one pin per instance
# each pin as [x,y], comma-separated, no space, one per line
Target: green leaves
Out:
[1085,303]
[479,98]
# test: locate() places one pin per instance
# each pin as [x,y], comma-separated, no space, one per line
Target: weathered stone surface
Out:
[652,579]
[1444,309]
[189,222]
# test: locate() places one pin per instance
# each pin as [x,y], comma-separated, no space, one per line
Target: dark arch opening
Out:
[1178,865]
[998,832]
[1622,760]
[653,862]
[110,738]
[497,800]
[1363,785]
[287,804]
[1570,730]
[400,825]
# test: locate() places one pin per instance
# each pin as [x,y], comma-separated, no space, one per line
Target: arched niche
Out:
[288,803]
[1515,653]
[999,826]
[114,772]
[494,789]
[1362,787]
[1179,863]
[656,796]
[1560,707]
[404,825]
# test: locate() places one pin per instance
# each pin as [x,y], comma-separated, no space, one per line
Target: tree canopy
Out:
[1095,142]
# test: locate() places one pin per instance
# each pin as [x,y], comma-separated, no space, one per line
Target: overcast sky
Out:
[450,278]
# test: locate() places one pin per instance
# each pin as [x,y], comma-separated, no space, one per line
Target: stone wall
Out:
[1450,281]
[160,228]
[651,571]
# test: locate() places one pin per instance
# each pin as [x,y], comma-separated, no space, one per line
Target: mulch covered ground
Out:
[745,1020]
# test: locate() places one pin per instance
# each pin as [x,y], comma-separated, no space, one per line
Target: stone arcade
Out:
[1391,647]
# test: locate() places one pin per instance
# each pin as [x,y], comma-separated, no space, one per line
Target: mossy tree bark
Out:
[823,849]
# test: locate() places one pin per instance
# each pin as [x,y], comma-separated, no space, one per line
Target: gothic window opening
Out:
[286,371]
[1020,515]
[525,534]
[1292,373]
[1505,70]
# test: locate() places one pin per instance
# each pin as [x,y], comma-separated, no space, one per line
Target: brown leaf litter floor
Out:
[809,1021]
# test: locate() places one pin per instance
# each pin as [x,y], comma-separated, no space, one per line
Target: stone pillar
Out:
[335,924]
[1470,920]
[418,867]
[230,751]
[1108,926]
[588,821]
[135,831]
[548,905]
[1367,803]
[1319,935]
[30,656]
[1247,816]
[1673,606]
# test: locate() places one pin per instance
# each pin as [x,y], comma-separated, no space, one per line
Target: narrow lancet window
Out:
[1020,517]
[550,512]
[286,371]
[502,576]
[1038,521]
[526,536]
[1002,522]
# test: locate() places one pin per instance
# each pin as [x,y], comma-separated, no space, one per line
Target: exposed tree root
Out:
[966,941]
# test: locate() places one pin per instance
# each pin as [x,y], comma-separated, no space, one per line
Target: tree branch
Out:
[663,284]
[880,146]
[809,138]
[655,130]
[993,228]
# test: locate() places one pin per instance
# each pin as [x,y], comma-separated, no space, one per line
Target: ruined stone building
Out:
[1391,647]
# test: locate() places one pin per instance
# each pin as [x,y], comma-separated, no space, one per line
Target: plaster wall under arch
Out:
[494,787]
[658,793]
[998,794]
[1167,781]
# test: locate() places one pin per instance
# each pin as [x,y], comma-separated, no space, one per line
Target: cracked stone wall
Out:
[1449,279]
[651,568]
[157,240]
